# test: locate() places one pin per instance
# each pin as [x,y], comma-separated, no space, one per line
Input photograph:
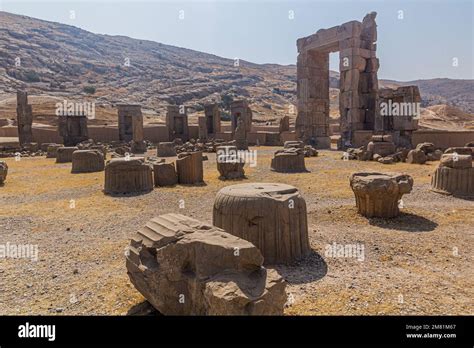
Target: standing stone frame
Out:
[73,129]
[130,122]
[177,122]
[240,110]
[212,119]
[358,67]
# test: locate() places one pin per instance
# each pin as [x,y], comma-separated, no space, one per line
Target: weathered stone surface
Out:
[44,146]
[426,147]
[434,156]
[177,122]
[52,150]
[87,161]
[459,150]
[64,154]
[138,147]
[240,136]
[166,149]
[190,168]
[453,160]
[271,216]
[130,124]
[24,114]
[3,172]
[73,129]
[417,156]
[378,194]
[229,163]
[284,125]
[128,175]
[453,181]
[165,174]
[310,151]
[293,144]
[383,149]
[386,160]
[289,161]
[185,267]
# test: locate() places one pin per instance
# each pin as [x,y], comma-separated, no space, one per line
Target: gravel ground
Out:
[418,263]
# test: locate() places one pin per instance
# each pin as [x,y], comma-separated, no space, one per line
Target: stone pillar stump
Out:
[269,215]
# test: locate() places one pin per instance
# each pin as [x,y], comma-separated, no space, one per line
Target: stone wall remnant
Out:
[213,119]
[130,123]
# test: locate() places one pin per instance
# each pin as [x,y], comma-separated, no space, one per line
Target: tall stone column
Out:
[24,113]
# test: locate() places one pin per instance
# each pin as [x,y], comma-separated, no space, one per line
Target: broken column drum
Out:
[190,168]
[166,149]
[289,160]
[454,176]
[378,194]
[271,216]
[165,174]
[52,150]
[87,161]
[64,154]
[131,175]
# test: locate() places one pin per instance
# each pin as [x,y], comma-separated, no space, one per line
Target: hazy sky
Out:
[426,42]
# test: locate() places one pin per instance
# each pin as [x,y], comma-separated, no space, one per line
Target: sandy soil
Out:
[418,263]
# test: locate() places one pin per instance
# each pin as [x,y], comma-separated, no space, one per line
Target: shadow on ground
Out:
[405,222]
[311,268]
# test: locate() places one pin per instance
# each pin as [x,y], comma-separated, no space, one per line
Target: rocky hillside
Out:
[56,61]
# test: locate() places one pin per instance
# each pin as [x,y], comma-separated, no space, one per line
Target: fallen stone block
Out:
[186,267]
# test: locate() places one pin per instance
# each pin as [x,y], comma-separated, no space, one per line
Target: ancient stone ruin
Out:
[73,129]
[454,175]
[358,67]
[229,164]
[240,110]
[240,136]
[270,216]
[165,174]
[177,122]
[379,194]
[128,175]
[24,114]
[212,116]
[87,161]
[166,149]
[289,160]
[3,172]
[52,150]
[64,154]
[186,267]
[398,113]
[284,125]
[190,168]
[130,123]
